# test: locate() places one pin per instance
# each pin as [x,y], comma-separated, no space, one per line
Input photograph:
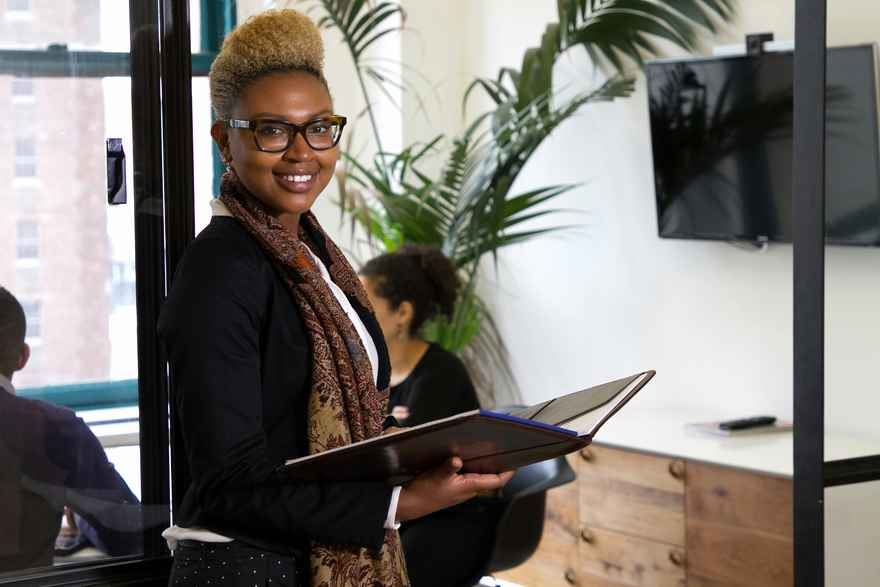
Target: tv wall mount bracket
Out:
[755,43]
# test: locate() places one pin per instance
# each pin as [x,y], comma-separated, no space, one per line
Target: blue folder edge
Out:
[527,422]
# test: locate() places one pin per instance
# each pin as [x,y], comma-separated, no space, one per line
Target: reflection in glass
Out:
[69,455]
[721,131]
[58,491]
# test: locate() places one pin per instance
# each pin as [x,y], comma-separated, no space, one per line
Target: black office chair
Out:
[520,519]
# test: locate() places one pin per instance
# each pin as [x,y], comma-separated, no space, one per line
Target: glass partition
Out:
[71,486]
[852,286]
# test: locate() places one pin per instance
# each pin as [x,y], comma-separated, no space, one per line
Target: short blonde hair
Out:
[269,42]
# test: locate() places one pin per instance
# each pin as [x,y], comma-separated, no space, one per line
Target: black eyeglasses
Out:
[275,136]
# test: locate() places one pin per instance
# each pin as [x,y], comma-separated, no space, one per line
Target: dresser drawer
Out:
[633,493]
[737,557]
[612,558]
[739,528]
[744,499]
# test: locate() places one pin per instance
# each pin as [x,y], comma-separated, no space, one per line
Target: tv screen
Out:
[721,135]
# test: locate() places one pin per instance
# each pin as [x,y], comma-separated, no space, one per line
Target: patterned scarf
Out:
[344,404]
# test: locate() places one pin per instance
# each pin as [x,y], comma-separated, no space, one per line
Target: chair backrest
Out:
[520,520]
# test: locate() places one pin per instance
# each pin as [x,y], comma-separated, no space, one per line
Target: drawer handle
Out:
[586,454]
[676,468]
[676,557]
[587,535]
[571,577]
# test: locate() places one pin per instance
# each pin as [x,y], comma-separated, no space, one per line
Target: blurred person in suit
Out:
[51,461]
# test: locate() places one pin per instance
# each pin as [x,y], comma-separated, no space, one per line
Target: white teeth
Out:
[298,178]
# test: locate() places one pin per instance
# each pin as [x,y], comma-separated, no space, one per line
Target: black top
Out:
[438,387]
[241,362]
[50,458]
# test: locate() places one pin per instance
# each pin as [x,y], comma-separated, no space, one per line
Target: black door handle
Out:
[116,191]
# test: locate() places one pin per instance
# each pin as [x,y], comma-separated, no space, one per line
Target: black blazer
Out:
[240,360]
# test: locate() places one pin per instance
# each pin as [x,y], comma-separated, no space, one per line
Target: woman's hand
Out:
[444,487]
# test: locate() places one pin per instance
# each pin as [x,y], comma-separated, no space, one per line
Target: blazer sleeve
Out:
[114,519]
[91,486]
[211,328]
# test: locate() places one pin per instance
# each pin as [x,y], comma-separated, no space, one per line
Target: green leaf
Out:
[466,207]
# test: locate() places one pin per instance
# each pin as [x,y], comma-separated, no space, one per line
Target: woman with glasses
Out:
[274,347]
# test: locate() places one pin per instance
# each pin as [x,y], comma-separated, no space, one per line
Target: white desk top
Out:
[664,432]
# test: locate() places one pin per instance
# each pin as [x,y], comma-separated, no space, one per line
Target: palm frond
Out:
[468,208]
[615,34]
[360,22]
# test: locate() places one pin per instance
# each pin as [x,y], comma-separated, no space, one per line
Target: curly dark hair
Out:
[418,274]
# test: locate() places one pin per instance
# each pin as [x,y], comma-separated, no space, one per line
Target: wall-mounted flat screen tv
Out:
[721,135]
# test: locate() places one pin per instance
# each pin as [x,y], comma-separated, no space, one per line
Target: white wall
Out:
[715,321]
[610,297]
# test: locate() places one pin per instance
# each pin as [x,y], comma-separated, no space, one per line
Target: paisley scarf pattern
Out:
[344,405]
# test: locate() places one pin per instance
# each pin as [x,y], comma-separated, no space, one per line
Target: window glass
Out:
[28,240]
[25,158]
[70,460]
[18,9]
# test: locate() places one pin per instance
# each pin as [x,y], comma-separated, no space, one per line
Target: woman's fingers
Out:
[454,465]
[480,482]
[443,487]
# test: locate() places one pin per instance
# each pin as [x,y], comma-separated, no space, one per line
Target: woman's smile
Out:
[298,183]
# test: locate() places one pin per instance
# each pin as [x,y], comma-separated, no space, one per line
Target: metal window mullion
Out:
[177,129]
[808,209]
[24,63]
[150,267]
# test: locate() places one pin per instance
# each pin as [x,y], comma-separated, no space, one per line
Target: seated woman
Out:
[406,288]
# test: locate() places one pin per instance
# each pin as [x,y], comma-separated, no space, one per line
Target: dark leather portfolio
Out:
[487,442]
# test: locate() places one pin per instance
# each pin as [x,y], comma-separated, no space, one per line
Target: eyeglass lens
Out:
[277,136]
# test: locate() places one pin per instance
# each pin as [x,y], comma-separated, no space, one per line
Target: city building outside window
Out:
[123,283]
[28,240]
[22,90]
[18,9]
[27,276]
[34,322]
[25,158]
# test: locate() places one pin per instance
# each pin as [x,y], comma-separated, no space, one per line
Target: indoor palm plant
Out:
[467,209]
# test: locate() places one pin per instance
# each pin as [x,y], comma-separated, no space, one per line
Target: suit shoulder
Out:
[31,409]
[224,239]
[224,256]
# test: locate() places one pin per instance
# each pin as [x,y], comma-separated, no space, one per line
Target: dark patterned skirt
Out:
[234,564]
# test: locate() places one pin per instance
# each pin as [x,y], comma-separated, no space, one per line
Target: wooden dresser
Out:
[633,518]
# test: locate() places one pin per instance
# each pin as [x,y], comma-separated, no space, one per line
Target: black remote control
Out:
[746,423]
